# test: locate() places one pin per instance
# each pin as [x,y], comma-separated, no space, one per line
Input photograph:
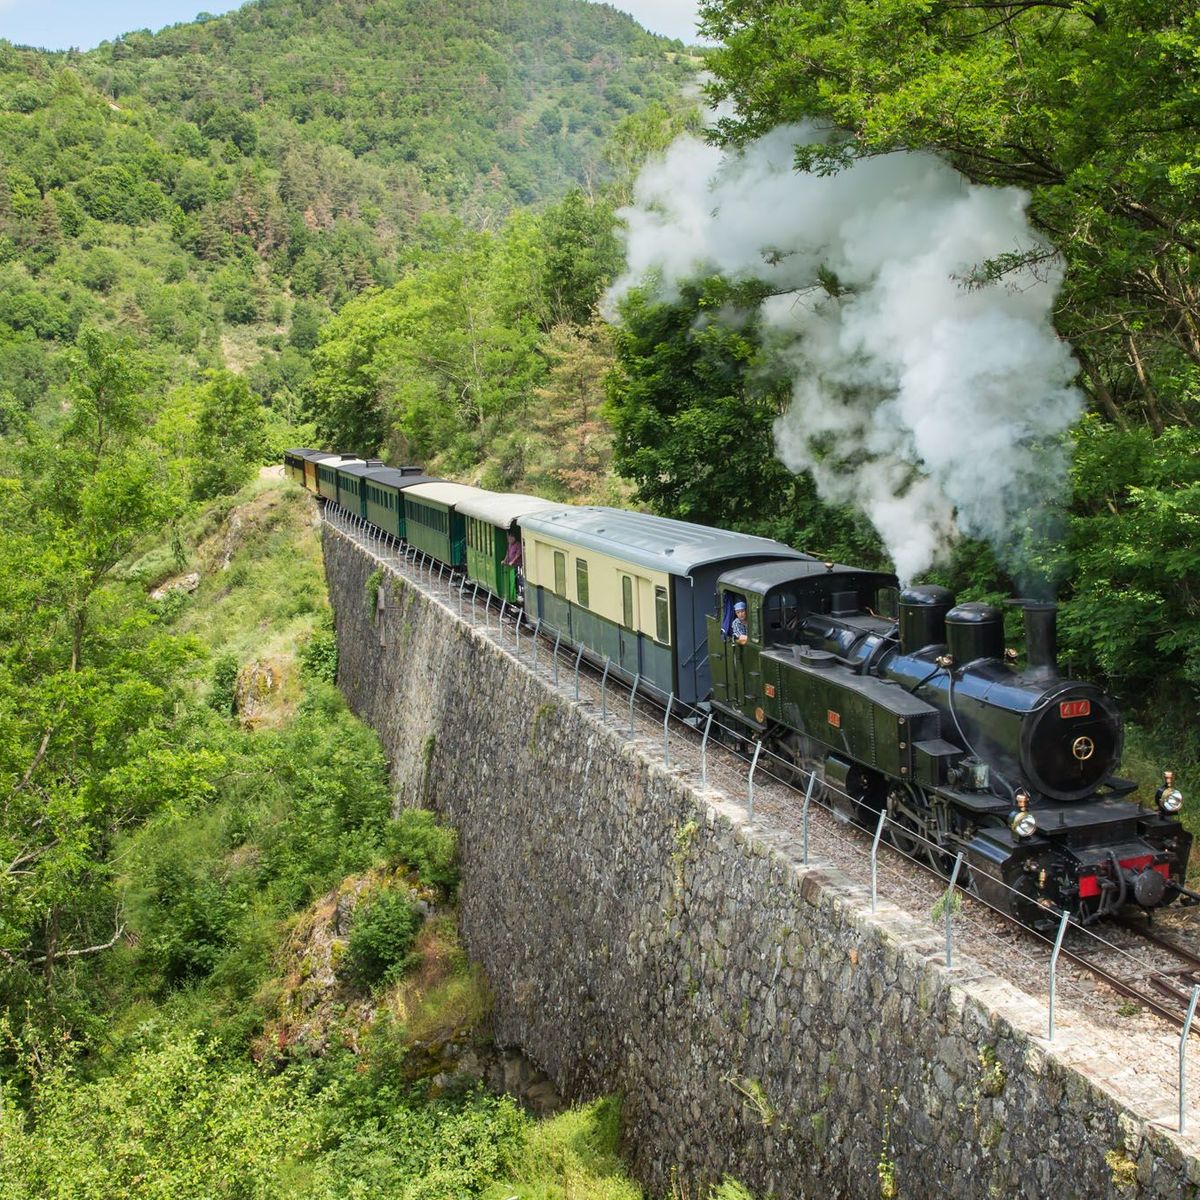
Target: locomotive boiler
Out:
[907,701]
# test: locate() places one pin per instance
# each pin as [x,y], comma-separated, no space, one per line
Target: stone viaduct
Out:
[645,938]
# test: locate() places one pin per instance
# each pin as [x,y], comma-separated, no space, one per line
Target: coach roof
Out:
[677,547]
[390,477]
[449,494]
[503,508]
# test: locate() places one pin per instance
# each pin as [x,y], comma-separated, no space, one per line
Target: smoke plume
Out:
[933,407]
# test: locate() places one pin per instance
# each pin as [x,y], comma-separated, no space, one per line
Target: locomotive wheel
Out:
[1011,892]
[908,821]
[799,757]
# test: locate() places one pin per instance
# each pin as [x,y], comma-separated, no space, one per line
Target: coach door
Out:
[629,660]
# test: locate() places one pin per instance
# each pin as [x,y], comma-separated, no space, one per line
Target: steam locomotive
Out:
[891,700]
[911,702]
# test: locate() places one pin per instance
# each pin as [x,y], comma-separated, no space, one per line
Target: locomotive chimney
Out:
[1041,637]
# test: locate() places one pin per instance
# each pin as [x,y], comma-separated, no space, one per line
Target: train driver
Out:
[739,629]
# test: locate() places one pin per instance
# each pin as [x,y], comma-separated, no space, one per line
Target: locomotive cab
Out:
[797,607]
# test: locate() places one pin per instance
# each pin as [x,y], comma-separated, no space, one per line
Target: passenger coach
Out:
[385,496]
[293,462]
[351,484]
[491,517]
[433,523]
[633,588]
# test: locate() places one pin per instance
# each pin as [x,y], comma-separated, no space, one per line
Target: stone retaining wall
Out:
[756,1018]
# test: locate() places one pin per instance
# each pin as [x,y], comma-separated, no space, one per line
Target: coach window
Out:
[560,574]
[581,581]
[627,601]
[662,615]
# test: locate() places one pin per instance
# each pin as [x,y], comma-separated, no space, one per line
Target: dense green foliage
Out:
[692,410]
[381,939]
[449,361]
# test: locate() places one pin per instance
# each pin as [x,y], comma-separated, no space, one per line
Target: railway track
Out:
[1138,963]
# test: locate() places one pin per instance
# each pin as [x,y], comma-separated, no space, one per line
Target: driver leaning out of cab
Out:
[739,630]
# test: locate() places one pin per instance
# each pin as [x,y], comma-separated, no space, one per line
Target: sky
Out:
[61,24]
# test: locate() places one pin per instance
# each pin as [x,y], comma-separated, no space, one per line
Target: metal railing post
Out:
[556,641]
[808,795]
[637,679]
[667,731]
[958,862]
[503,607]
[1058,941]
[537,625]
[704,751]
[875,858]
[1183,1037]
[578,660]
[604,692]
[517,636]
[750,786]
[462,587]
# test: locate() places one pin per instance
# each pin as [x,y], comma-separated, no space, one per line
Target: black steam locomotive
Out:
[910,702]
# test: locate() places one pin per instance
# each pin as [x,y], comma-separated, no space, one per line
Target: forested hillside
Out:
[225,969]
[217,190]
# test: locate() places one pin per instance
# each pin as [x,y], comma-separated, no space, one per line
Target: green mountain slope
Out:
[214,191]
[501,101]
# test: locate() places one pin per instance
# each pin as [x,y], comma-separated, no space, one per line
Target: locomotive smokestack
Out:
[1041,637]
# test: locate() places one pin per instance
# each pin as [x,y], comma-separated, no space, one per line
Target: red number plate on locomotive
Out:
[1075,708]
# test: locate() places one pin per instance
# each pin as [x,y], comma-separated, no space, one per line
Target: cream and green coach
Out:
[634,589]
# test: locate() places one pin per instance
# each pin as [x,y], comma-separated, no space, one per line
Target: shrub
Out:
[224,684]
[319,656]
[381,939]
[416,839]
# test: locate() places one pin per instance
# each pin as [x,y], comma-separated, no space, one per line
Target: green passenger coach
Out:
[432,523]
[327,474]
[385,496]
[351,481]
[491,517]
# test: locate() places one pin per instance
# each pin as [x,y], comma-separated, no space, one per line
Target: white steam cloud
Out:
[933,407]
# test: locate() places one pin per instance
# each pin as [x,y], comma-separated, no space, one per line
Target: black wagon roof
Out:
[398,477]
[760,578]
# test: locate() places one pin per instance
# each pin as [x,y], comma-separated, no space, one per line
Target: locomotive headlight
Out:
[1172,801]
[1023,824]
